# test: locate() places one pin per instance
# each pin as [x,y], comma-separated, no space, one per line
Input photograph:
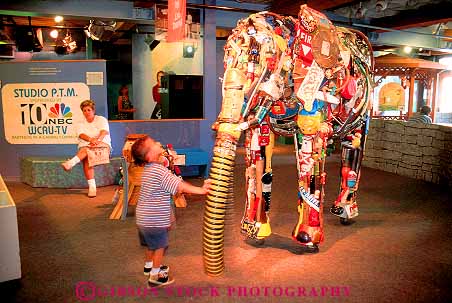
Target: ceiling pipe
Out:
[399,30]
[223,8]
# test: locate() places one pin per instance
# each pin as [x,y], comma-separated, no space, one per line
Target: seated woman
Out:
[92,132]
[125,107]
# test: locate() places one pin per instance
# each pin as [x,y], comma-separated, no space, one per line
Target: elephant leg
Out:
[250,187]
[345,205]
[309,229]
[255,223]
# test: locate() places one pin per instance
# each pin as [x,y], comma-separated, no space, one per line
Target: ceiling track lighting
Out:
[100,30]
[69,42]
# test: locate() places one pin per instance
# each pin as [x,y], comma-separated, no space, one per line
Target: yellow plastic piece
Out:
[280,42]
[264,231]
[231,129]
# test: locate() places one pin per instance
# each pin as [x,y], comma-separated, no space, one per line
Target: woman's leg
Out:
[89,175]
[89,171]
[80,156]
[82,153]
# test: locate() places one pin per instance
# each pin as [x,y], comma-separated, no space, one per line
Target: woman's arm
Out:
[120,109]
[102,134]
[91,140]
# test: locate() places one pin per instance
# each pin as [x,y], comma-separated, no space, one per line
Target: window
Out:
[445,87]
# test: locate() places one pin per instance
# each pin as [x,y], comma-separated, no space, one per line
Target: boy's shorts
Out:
[153,237]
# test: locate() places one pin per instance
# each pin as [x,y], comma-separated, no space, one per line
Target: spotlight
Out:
[69,43]
[54,34]
[407,49]
[58,19]
[189,51]
[151,41]
[153,44]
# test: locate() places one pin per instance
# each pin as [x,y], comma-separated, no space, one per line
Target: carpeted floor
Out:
[398,250]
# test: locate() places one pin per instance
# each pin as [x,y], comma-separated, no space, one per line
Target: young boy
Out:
[153,209]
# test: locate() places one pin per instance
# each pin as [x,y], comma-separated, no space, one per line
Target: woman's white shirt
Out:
[92,129]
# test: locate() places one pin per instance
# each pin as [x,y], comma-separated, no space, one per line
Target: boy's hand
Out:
[207,184]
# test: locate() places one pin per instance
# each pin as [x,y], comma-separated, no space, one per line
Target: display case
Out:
[182,97]
[9,236]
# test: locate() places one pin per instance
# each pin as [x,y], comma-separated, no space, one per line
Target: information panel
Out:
[42,113]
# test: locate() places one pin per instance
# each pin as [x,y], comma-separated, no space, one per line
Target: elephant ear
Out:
[325,47]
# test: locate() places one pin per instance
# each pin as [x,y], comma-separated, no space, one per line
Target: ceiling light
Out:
[5,39]
[54,34]
[66,46]
[58,19]
[412,3]
[360,12]
[407,49]
[189,50]
[69,43]
[380,6]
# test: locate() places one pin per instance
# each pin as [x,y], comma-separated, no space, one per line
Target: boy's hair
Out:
[425,110]
[139,151]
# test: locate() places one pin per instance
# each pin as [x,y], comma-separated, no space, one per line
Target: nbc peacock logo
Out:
[60,110]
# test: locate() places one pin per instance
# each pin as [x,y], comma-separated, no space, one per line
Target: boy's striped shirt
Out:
[157,186]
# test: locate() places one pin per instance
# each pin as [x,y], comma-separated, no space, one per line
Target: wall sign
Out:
[391,97]
[176,20]
[42,113]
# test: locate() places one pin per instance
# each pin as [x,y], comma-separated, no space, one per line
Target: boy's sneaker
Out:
[161,278]
[147,271]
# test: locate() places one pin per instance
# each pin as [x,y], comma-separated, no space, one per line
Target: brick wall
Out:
[409,149]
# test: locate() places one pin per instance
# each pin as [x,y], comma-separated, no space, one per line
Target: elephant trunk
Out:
[218,201]
[220,196]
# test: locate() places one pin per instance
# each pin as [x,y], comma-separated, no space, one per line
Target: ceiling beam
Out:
[290,7]
[423,16]
[99,9]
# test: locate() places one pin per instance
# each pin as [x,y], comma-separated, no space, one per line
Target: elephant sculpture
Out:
[294,77]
